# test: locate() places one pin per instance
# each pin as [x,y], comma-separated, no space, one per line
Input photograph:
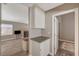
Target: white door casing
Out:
[53,35]
[56,34]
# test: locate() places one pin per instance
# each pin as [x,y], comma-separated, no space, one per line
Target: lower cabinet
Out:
[40,48]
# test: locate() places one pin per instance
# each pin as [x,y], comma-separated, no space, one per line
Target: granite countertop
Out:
[40,39]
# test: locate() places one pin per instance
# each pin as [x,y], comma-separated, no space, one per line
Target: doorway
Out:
[64,39]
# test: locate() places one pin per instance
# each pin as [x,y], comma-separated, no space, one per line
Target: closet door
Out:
[56,36]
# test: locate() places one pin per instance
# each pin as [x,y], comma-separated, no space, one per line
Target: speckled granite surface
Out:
[40,39]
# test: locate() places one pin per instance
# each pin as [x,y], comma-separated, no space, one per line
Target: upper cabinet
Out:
[38,17]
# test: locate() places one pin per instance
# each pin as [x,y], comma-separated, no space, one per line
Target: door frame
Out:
[76,11]
[56,35]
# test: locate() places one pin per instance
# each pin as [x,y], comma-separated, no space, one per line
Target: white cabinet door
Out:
[40,49]
[35,48]
[39,18]
[44,47]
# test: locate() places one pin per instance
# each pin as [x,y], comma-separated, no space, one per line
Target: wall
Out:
[67,27]
[15,12]
[49,13]
[16,26]
[34,32]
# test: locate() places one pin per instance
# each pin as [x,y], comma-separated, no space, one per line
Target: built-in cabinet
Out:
[37,17]
[40,49]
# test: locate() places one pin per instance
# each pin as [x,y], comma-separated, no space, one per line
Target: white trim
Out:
[76,31]
[53,37]
[76,25]
[65,12]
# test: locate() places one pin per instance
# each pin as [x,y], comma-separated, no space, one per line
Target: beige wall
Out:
[16,26]
[48,25]
[34,32]
[67,27]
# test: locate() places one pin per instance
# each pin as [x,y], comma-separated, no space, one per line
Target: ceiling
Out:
[48,6]
[44,6]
